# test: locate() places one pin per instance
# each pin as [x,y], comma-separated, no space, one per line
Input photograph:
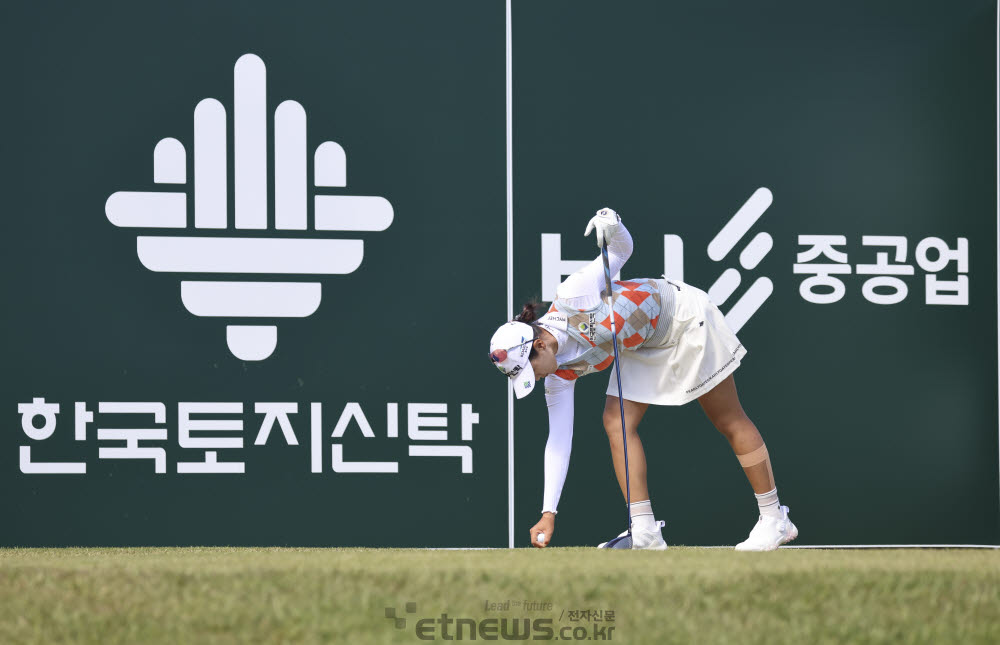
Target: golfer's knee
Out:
[612,422]
[735,425]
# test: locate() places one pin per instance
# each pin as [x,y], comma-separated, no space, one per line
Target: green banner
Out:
[237,263]
[255,252]
[862,137]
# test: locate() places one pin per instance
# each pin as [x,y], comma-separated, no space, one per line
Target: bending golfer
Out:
[674,347]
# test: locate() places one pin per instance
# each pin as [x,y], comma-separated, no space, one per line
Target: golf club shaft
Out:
[618,375]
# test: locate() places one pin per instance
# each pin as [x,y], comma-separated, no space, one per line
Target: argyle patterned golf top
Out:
[637,304]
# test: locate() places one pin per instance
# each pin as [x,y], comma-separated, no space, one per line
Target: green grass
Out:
[683,595]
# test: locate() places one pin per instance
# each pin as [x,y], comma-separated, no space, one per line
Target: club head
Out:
[620,542]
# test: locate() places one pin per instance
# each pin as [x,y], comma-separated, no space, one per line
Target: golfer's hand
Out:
[546,525]
[606,222]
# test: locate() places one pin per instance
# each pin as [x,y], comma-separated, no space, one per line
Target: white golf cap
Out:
[509,351]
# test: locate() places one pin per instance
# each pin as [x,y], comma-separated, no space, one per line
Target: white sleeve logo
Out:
[255,251]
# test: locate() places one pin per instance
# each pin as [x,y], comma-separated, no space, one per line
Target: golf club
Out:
[622,541]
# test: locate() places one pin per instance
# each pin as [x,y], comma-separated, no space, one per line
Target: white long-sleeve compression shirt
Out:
[581,290]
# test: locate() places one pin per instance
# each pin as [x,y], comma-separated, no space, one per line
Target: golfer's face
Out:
[544,363]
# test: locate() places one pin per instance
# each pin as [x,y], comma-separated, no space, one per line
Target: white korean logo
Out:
[554,267]
[256,251]
[751,255]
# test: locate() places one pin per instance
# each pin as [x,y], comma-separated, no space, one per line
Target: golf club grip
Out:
[618,376]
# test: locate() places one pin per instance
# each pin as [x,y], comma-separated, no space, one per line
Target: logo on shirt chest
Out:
[589,329]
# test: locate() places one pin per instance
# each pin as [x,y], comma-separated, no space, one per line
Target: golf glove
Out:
[606,222]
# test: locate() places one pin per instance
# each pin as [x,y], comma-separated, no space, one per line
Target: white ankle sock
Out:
[642,516]
[768,503]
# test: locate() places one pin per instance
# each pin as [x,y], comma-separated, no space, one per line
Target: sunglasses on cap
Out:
[500,355]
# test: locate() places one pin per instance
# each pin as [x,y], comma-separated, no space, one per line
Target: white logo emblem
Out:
[255,251]
[727,238]
[554,267]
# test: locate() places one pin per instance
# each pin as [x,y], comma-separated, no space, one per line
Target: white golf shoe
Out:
[648,540]
[769,533]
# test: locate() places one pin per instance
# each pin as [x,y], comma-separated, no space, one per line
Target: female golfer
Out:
[674,346]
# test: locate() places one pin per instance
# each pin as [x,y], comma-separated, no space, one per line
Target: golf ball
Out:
[541,538]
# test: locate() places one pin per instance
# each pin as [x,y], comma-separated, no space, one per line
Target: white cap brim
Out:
[524,381]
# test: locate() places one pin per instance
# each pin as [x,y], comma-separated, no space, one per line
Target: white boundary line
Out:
[892,546]
[998,236]
[804,546]
[510,285]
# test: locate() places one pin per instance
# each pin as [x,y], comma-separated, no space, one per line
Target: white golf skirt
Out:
[697,353]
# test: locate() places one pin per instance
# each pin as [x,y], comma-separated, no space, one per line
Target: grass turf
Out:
[683,595]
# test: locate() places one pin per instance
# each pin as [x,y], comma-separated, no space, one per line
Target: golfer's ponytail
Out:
[529,313]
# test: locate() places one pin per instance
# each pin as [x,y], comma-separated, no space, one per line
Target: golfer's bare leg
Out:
[636,456]
[722,405]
